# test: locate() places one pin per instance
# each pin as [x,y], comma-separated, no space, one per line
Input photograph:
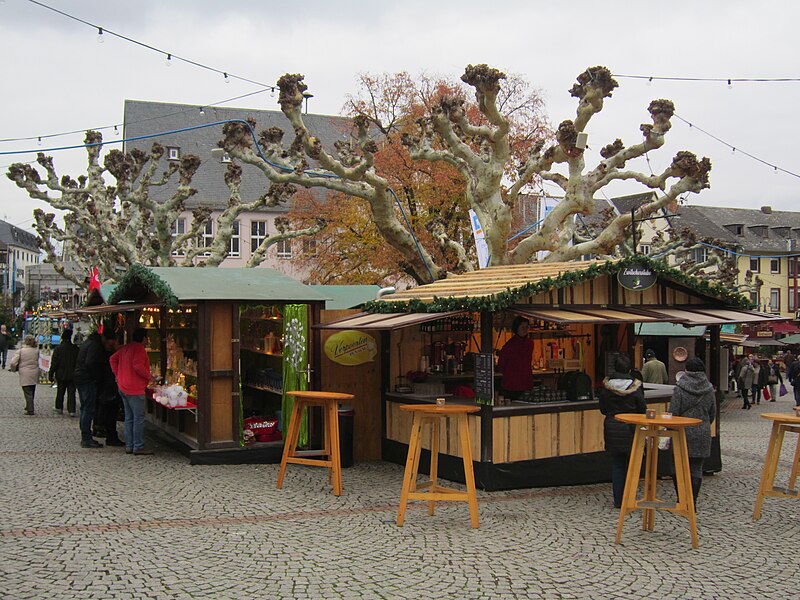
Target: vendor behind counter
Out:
[515,361]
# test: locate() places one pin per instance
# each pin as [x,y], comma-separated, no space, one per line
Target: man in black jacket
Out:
[90,374]
[62,369]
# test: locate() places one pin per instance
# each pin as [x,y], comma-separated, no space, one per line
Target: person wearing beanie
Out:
[693,397]
[654,371]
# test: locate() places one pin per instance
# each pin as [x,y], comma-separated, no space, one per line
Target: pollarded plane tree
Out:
[115,226]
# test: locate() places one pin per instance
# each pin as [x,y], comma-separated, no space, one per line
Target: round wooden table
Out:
[329,402]
[647,433]
[781,423]
[431,414]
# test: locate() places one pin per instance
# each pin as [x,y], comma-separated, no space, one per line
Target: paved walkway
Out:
[81,523]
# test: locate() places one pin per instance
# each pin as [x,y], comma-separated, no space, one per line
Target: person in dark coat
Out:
[3,344]
[693,397]
[90,374]
[62,370]
[621,393]
[108,400]
[759,379]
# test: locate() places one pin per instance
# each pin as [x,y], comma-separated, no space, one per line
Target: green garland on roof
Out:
[503,300]
[144,277]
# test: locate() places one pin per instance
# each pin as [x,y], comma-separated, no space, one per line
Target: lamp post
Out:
[306,96]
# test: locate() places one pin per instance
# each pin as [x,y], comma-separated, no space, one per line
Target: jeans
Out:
[3,354]
[68,388]
[796,390]
[756,394]
[134,421]
[88,394]
[744,396]
[619,472]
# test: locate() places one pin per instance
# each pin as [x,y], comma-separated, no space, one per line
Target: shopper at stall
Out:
[693,397]
[3,344]
[654,371]
[621,393]
[746,379]
[108,400]
[90,372]
[132,369]
[515,360]
[62,371]
[26,361]
[793,376]
[774,378]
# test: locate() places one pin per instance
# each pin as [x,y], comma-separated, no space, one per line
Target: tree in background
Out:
[478,144]
[115,226]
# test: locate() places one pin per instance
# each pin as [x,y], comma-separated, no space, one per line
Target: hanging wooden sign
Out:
[351,348]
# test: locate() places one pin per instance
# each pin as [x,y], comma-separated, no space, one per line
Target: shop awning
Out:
[104,309]
[785,327]
[383,321]
[791,339]
[668,330]
[585,315]
[732,338]
[754,343]
[647,314]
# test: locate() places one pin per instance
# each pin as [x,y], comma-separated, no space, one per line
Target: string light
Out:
[728,80]
[168,62]
[100,38]
[202,112]
[116,130]
[226,78]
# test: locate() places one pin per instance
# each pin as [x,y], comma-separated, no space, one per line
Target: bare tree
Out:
[115,226]
[479,147]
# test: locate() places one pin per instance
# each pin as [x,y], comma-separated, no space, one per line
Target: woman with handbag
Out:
[773,379]
[693,397]
[26,361]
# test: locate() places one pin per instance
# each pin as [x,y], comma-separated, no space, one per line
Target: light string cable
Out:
[170,56]
[728,80]
[260,153]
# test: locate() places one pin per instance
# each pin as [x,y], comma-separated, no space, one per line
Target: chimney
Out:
[767,210]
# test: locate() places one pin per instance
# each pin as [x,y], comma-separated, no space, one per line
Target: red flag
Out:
[94,280]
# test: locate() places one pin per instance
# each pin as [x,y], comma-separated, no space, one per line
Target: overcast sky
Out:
[57,77]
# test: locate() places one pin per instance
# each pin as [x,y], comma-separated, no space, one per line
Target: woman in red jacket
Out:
[132,369]
[515,361]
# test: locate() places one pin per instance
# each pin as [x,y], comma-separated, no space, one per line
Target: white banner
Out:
[480,241]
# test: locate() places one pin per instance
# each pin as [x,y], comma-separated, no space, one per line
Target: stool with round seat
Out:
[432,414]
[329,402]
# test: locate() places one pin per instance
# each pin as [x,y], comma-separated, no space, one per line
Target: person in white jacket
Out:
[26,362]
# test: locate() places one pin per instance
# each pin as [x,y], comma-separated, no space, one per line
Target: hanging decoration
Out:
[295,363]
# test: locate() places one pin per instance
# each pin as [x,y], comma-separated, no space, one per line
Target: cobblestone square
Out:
[97,523]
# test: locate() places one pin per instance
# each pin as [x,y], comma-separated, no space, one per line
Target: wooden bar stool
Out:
[781,424]
[329,401]
[647,433]
[431,414]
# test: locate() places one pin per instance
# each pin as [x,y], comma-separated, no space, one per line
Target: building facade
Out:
[18,252]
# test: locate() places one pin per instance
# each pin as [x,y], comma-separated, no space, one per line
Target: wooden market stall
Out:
[439,340]
[229,338]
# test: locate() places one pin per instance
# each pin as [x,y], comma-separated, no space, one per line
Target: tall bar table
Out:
[781,424]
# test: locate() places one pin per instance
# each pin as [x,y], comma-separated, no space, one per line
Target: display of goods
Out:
[263,429]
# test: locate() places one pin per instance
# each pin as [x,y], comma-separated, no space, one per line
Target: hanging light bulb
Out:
[40,140]
[649,82]
[733,150]
[100,38]
[730,87]
[202,112]
[168,63]
[775,170]
[227,79]
[116,130]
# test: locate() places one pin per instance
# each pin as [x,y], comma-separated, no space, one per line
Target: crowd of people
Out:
[104,374]
[763,379]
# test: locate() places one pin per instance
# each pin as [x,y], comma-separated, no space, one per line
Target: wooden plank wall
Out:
[221,333]
[364,382]
[398,428]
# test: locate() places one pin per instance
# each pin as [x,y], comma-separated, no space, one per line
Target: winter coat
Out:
[620,394]
[655,371]
[131,368]
[62,364]
[26,361]
[89,365]
[775,374]
[693,397]
[746,375]
[759,376]
[3,341]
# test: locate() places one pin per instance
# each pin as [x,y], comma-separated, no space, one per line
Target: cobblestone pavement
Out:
[83,523]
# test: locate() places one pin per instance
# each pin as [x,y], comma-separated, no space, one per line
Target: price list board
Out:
[484,378]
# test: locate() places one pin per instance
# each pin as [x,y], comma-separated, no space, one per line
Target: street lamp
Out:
[307,95]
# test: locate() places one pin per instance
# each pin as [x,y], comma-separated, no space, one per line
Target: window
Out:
[755,264]
[792,263]
[754,298]
[644,249]
[258,233]
[792,291]
[774,265]
[206,237]
[178,229]
[309,246]
[775,300]
[700,255]
[284,248]
[173,153]
[234,246]
[226,158]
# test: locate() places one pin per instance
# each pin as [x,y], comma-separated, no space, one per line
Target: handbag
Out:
[767,395]
[782,390]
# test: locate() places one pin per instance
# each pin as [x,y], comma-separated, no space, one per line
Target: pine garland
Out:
[139,275]
[503,300]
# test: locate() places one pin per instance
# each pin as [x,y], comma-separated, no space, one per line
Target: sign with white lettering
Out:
[636,278]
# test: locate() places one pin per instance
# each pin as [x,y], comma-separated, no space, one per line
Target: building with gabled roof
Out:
[18,250]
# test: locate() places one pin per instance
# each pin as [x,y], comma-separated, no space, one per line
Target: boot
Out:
[696,483]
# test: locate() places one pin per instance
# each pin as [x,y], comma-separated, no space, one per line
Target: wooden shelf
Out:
[261,351]
[263,388]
